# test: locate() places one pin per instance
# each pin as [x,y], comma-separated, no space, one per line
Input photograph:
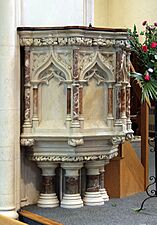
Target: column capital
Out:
[69,165]
[48,168]
[95,164]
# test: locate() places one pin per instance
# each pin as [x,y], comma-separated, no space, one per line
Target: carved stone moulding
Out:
[49,158]
[72,41]
[75,142]
[69,36]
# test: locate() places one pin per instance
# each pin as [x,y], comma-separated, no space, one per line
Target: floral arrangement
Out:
[146,52]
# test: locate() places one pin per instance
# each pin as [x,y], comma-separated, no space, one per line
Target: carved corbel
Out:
[28,142]
[129,136]
[117,140]
[75,142]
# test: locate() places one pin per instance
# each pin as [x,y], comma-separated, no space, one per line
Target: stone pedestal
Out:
[92,195]
[48,198]
[71,197]
[67,69]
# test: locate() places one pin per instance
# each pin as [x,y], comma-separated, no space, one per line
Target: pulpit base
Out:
[104,194]
[71,201]
[93,199]
[48,201]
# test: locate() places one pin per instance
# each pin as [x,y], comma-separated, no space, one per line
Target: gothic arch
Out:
[97,60]
[51,60]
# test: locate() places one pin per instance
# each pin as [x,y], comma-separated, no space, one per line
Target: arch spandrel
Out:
[98,61]
[52,61]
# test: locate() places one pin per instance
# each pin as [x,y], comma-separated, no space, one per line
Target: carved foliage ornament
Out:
[51,72]
[75,142]
[85,41]
[39,59]
[27,142]
[43,158]
[96,73]
[99,66]
[117,140]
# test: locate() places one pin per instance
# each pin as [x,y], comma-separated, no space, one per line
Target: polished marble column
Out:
[71,196]
[48,198]
[110,105]
[92,195]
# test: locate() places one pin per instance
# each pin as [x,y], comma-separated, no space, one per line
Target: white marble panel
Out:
[53,104]
[94,105]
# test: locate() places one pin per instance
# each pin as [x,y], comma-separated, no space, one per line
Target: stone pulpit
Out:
[76,108]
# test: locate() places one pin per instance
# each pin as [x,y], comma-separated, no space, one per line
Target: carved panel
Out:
[94,104]
[52,105]
[64,57]
[41,62]
[97,73]
[51,72]
[85,58]
[39,58]
[106,61]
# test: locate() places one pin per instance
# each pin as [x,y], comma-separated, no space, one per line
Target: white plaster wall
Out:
[56,12]
[30,180]
[122,13]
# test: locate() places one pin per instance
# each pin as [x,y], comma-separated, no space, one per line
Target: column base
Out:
[104,194]
[48,201]
[93,198]
[119,126]
[71,201]
[9,213]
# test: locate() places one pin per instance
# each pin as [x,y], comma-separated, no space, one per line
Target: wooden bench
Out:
[28,216]
[8,221]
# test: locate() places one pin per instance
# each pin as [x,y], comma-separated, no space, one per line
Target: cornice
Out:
[69,36]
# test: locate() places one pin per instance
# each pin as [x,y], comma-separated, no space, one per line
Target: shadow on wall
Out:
[30,180]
